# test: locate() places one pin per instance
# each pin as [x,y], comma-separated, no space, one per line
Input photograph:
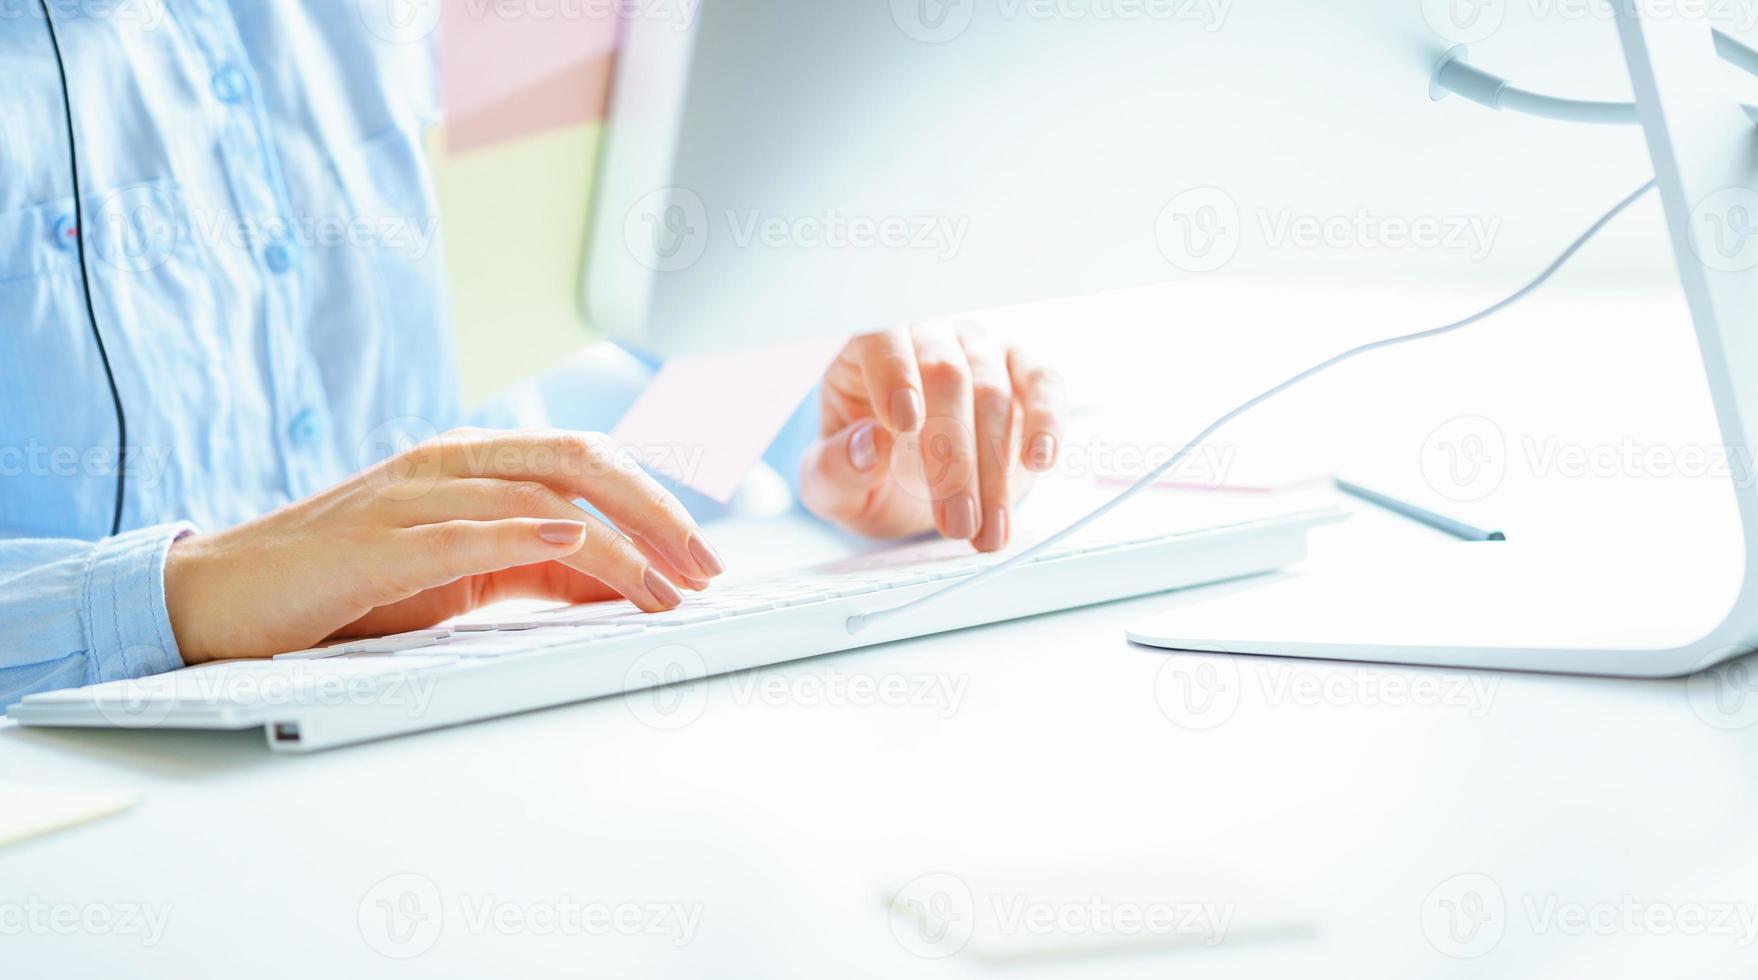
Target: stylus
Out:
[1422,515]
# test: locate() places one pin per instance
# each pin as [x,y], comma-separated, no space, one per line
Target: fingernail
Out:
[861,454]
[561,532]
[906,409]
[661,588]
[705,554]
[961,517]
[1043,450]
[994,534]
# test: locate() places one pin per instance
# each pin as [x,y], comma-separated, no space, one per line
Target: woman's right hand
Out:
[472,517]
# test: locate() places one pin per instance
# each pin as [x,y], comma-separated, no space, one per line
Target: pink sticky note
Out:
[706,421]
[575,96]
[524,71]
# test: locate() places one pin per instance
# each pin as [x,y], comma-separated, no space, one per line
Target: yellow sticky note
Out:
[514,221]
[31,811]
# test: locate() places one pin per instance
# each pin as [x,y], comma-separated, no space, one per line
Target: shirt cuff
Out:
[128,628]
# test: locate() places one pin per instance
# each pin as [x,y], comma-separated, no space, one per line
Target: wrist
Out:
[185,563]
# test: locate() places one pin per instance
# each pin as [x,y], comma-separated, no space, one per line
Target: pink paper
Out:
[511,67]
[576,96]
[706,421]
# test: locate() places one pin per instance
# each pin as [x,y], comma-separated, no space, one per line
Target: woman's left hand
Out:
[935,426]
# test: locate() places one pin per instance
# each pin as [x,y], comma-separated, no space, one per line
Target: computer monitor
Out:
[780,168]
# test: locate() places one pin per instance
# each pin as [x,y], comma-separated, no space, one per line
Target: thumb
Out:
[841,470]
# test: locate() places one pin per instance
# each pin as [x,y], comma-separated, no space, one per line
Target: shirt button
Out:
[230,84]
[303,429]
[279,257]
[65,232]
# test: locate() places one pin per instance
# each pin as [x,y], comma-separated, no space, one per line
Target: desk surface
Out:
[1601,826]
[773,828]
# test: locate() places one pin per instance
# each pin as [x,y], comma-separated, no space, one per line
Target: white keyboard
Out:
[365,689]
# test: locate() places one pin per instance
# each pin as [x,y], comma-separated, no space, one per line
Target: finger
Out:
[894,386]
[589,466]
[992,415]
[1039,390]
[948,455]
[842,474]
[607,556]
[666,568]
[433,555]
[487,499]
[549,580]
[614,560]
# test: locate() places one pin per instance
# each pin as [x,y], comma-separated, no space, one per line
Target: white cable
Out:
[861,621]
[1567,110]
[1453,74]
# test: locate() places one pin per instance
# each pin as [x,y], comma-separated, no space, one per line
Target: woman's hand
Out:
[469,518]
[923,428]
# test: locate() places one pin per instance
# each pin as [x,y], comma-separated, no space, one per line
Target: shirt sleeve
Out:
[82,612]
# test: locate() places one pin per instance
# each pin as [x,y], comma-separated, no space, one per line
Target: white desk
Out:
[786,822]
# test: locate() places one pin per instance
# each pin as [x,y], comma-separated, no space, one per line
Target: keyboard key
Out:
[456,638]
[391,644]
[524,641]
[493,647]
[316,653]
[671,617]
[590,633]
[745,607]
[591,614]
[804,599]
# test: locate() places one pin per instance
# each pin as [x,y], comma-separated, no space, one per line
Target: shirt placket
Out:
[253,176]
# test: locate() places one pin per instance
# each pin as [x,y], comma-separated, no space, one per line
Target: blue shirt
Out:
[265,263]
